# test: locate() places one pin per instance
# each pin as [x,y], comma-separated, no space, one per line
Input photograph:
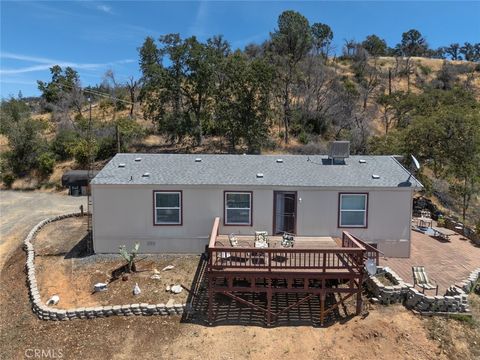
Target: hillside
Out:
[366,122]
[425,71]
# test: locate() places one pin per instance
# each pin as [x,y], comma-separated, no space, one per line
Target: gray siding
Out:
[123,214]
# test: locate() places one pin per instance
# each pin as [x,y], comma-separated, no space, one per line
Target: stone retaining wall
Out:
[45,312]
[388,294]
[458,227]
[455,299]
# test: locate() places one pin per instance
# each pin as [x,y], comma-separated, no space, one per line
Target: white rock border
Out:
[45,312]
[455,299]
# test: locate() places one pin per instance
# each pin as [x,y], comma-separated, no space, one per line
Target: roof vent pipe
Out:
[260,176]
[146,174]
[198,160]
[138,159]
[279,161]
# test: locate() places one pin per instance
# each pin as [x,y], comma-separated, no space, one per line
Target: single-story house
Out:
[168,202]
[77,181]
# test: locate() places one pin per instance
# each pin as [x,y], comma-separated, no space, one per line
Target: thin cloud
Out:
[200,23]
[36,68]
[35,59]
[48,12]
[19,82]
[105,8]
[46,63]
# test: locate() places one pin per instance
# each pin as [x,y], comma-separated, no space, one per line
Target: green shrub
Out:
[296,126]
[130,131]
[107,147]
[63,144]
[25,142]
[350,87]
[425,69]
[83,151]
[303,138]
[46,164]
[463,318]
[269,144]
[385,144]
[8,179]
[441,222]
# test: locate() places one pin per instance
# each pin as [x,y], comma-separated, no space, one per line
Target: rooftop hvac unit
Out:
[338,150]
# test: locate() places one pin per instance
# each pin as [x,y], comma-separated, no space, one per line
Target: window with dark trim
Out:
[353,210]
[238,208]
[167,207]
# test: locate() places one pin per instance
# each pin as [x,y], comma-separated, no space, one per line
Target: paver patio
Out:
[446,263]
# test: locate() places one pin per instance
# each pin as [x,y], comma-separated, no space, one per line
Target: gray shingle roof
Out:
[295,170]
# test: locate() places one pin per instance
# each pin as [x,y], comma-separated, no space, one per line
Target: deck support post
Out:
[359,298]
[210,300]
[322,307]
[269,301]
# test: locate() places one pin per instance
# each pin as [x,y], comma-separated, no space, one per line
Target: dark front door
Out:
[284,212]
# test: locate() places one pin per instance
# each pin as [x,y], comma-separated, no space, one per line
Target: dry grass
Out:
[458,336]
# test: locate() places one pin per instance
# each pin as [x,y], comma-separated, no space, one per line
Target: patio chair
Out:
[261,239]
[233,240]
[426,214]
[287,240]
[420,279]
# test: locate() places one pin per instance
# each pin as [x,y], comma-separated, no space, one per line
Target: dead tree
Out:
[132,87]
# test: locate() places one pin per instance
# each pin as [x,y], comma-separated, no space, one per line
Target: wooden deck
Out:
[301,242]
[314,266]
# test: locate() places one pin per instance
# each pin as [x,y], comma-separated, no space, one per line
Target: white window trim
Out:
[226,208]
[179,208]
[364,225]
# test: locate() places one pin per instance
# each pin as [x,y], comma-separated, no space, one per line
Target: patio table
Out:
[442,233]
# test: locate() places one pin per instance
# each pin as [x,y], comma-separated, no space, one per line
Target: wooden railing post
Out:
[211,242]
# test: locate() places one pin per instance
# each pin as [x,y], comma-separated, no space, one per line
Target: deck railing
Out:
[370,251]
[214,233]
[348,257]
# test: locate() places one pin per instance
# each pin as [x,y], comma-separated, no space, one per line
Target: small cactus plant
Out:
[130,257]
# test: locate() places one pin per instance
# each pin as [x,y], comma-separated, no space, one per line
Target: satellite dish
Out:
[415,162]
[371,266]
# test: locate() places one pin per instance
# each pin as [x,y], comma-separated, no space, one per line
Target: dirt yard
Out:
[64,270]
[384,333]
[21,210]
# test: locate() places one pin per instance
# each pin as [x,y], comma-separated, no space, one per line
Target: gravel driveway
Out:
[20,211]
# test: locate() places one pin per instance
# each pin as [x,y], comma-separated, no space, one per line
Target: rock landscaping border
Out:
[388,294]
[45,312]
[455,299]
[458,227]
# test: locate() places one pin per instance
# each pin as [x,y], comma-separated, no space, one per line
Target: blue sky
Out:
[93,36]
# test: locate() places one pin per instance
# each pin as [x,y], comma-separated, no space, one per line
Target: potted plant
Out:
[441,221]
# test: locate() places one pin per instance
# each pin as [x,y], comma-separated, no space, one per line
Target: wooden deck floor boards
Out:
[301,242]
